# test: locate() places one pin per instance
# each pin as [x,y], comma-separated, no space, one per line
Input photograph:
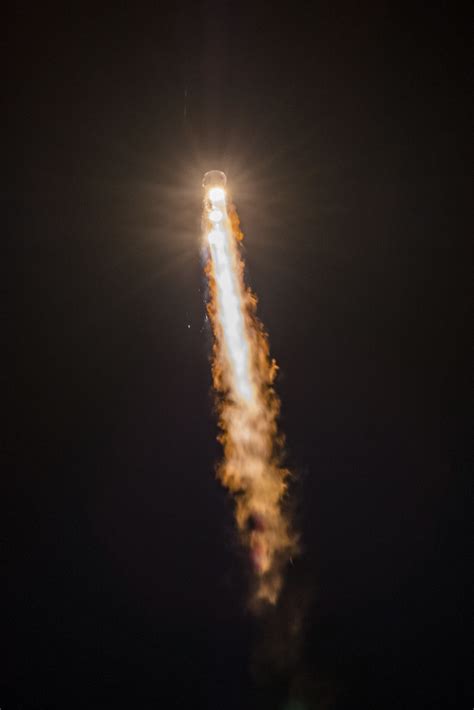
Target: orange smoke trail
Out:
[248,407]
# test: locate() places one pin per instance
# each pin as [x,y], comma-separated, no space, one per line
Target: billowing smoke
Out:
[248,407]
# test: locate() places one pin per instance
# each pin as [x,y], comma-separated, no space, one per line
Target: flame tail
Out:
[243,375]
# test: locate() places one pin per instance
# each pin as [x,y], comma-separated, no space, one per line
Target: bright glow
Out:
[230,309]
[215,215]
[243,375]
[217,194]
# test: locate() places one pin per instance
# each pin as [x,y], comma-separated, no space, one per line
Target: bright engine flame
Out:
[228,295]
[248,406]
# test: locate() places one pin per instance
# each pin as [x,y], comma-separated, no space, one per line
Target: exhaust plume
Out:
[248,407]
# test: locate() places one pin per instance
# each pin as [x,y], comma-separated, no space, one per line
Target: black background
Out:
[342,130]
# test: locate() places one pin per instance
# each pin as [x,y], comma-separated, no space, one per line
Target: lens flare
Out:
[243,376]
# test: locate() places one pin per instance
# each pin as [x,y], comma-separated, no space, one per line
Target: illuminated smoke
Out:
[248,407]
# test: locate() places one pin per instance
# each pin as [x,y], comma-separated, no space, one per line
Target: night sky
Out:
[342,129]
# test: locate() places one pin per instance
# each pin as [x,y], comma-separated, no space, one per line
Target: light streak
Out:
[243,375]
[228,295]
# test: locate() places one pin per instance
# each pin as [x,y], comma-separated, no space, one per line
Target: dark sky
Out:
[342,129]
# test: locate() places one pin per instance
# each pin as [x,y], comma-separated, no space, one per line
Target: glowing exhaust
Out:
[243,375]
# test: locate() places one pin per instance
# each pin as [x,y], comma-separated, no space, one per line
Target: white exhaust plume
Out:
[243,376]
